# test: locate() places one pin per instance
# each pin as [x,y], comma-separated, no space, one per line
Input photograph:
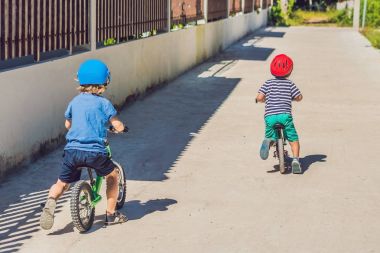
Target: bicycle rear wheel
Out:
[82,212]
[281,160]
[122,186]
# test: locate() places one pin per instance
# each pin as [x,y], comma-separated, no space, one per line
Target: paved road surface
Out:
[196,183]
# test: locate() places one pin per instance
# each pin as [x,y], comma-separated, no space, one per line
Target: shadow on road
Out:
[247,49]
[269,33]
[136,210]
[162,125]
[306,162]
[20,220]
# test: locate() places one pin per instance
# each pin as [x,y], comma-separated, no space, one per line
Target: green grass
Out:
[319,18]
[373,35]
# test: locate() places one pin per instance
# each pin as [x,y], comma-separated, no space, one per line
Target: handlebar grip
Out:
[112,129]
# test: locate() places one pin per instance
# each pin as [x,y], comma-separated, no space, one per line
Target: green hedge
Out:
[372,18]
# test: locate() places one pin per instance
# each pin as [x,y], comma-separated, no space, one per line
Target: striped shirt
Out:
[279,94]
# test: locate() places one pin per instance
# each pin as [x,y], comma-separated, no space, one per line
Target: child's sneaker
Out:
[47,215]
[264,150]
[115,218]
[296,167]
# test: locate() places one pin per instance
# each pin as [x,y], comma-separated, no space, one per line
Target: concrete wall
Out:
[34,97]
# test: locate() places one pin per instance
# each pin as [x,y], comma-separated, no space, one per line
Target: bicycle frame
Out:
[280,136]
[96,184]
[280,152]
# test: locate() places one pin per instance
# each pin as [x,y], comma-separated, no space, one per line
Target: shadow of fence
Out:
[162,126]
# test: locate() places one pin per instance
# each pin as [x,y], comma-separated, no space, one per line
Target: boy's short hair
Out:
[94,89]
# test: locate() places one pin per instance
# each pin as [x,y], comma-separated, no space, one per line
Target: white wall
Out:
[34,97]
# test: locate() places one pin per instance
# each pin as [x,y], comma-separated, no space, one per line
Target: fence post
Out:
[205,10]
[169,14]
[364,13]
[243,5]
[36,48]
[356,20]
[228,8]
[93,25]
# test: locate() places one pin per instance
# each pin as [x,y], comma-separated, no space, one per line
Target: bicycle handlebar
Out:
[112,129]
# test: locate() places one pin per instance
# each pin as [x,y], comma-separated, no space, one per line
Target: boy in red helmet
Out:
[278,94]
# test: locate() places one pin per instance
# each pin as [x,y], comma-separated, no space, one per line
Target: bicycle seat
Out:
[278,126]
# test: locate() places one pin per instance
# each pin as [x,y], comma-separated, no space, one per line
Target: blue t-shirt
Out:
[89,115]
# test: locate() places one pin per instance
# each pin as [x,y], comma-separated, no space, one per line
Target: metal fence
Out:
[185,11]
[266,4]
[235,6]
[127,19]
[217,9]
[30,27]
[257,4]
[248,6]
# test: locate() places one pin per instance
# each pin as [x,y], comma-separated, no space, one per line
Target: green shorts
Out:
[285,119]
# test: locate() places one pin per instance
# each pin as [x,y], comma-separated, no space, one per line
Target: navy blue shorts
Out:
[74,160]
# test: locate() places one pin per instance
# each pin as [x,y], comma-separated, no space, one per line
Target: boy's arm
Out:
[262,93]
[68,116]
[260,97]
[296,93]
[298,98]
[117,124]
[67,124]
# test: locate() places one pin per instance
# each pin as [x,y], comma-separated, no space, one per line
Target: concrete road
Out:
[195,180]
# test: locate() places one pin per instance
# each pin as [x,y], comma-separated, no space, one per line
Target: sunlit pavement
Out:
[195,179]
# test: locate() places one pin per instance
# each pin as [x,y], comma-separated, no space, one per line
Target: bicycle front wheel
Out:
[122,186]
[82,211]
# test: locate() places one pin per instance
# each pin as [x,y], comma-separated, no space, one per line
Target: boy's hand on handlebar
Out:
[113,130]
[260,98]
[117,125]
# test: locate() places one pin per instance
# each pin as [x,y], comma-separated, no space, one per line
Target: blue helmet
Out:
[93,72]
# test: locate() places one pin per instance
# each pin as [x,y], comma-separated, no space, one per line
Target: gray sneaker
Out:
[47,215]
[264,150]
[115,218]
[296,167]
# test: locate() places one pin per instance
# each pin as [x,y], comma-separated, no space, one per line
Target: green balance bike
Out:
[85,196]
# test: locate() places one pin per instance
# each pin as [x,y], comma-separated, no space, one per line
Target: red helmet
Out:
[281,66]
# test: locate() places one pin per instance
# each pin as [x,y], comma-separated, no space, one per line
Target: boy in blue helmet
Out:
[86,118]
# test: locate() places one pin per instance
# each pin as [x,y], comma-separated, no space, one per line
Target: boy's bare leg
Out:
[112,191]
[113,216]
[296,166]
[295,145]
[57,189]
[47,215]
